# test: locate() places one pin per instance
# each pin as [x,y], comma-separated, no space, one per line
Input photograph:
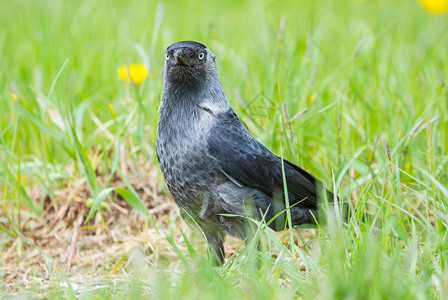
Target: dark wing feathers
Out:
[250,163]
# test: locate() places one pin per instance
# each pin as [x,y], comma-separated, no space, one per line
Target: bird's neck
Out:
[184,99]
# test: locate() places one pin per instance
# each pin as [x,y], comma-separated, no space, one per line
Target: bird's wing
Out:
[247,161]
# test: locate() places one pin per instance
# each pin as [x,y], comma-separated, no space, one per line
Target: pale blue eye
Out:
[201,55]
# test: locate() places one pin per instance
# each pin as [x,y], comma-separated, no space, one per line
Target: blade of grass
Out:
[85,162]
[127,195]
[22,191]
[134,193]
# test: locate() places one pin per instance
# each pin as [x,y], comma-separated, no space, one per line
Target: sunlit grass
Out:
[353,91]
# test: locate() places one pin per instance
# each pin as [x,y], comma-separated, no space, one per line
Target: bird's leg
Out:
[216,247]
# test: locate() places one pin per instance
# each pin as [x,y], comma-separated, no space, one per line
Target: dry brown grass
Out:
[62,245]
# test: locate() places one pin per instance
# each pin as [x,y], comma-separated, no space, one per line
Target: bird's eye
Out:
[167,56]
[201,56]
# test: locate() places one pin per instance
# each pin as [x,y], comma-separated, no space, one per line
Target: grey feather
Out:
[212,165]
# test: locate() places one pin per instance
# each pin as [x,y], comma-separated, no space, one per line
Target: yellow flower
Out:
[122,73]
[137,73]
[435,6]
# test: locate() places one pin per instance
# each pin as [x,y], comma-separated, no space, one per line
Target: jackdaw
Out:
[213,167]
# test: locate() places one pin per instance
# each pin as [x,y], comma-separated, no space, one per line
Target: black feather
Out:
[250,163]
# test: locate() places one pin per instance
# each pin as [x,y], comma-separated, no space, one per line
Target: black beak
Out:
[181,58]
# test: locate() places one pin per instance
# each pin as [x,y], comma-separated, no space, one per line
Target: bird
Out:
[213,167]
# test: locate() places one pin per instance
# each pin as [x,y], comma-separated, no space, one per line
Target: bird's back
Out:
[250,163]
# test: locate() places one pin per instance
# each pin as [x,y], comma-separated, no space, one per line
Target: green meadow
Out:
[355,92]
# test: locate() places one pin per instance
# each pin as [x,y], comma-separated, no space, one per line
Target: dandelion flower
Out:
[435,6]
[137,73]
[122,73]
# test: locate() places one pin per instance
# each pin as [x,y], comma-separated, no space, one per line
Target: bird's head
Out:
[189,64]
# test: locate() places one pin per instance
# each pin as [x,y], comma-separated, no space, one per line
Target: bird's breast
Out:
[181,146]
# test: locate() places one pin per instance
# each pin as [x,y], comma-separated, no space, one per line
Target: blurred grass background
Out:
[354,91]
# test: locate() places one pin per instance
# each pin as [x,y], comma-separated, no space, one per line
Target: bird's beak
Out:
[181,58]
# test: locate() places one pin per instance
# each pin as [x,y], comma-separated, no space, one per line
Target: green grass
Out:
[371,75]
